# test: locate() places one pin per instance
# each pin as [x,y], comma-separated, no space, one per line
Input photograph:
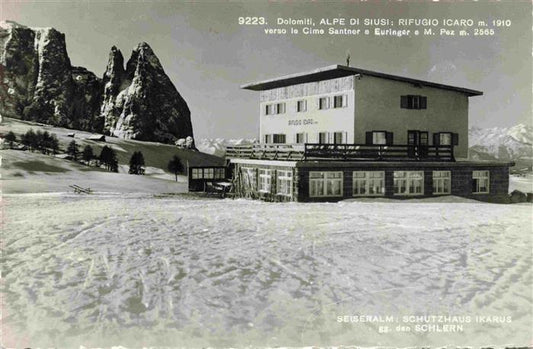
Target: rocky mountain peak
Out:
[114,72]
[141,102]
[39,83]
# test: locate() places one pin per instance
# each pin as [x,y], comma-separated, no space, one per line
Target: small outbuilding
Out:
[97,138]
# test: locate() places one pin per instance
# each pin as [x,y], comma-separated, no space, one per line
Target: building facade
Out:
[341,132]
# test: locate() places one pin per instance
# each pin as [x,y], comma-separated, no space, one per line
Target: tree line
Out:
[107,157]
[45,142]
[48,143]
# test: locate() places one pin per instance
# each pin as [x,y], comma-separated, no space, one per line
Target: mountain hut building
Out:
[342,132]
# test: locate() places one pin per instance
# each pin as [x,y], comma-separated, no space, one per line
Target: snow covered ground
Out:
[143,270]
[523,183]
[27,172]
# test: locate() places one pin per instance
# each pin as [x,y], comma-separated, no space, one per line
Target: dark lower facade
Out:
[329,181]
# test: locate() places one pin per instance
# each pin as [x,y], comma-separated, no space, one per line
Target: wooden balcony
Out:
[347,152]
[264,151]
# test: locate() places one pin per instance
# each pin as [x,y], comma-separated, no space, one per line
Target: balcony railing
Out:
[352,152]
[267,151]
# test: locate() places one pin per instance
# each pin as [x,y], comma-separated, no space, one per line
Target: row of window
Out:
[323,103]
[208,173]
[341,101]
[302,137]
[267,177]
[372,137]
[372,183]
[414,137]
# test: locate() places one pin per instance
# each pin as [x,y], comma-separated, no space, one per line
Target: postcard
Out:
[229,174]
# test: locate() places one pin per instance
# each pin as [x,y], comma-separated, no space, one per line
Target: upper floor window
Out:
[340,101]
[276,108]
[301,106]
[269,109]
[413,102]
[323,103]
[268,138]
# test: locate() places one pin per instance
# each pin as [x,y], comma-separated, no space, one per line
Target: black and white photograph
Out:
[266,174]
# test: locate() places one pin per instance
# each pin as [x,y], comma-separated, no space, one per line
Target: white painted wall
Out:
[313,120]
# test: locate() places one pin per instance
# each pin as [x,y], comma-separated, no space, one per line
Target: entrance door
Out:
[423,143]
[413,138]
[417,142]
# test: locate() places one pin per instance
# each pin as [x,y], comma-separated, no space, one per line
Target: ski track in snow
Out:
[138,270]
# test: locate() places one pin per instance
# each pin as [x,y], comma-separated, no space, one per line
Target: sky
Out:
[208,55]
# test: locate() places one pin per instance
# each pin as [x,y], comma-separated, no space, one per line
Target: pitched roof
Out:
[337,71]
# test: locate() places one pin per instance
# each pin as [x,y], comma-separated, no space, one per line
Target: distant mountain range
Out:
[501,143]
[497,143]
[217,146]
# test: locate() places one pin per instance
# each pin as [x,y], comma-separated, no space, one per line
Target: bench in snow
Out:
[80,190]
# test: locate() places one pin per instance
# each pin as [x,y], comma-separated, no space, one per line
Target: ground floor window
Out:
[340,101]
[368,183]
[442,182]
[379,137]
[249,177]
[196,173]
[265,180]
[220,173]
[208,173]
[325,184]
[480,182]
[301,138]
[338,138]
[322,137]
[408,182]
[445,138]
[284,182]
